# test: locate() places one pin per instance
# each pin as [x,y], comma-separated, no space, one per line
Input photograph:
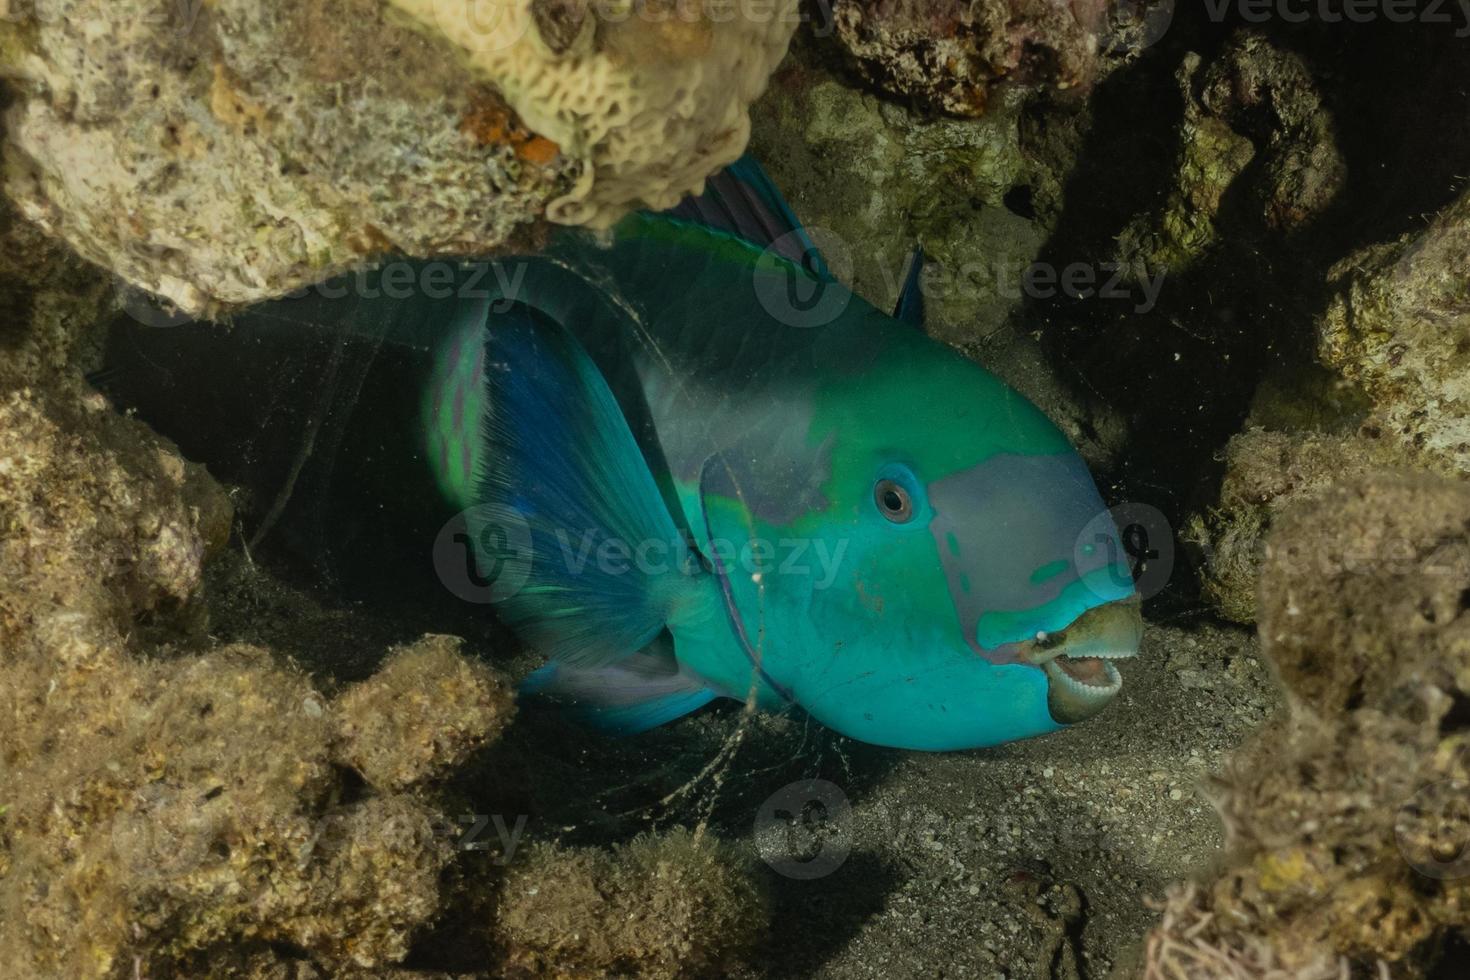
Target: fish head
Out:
[983,594]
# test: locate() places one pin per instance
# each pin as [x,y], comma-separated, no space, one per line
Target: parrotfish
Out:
[693,465]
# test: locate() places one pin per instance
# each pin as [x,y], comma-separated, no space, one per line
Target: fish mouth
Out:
[1078,660]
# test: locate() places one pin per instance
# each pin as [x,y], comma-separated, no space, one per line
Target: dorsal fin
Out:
[910,305]
[741,201]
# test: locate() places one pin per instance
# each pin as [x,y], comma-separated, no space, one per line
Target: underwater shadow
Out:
[812,921]
[1183,374]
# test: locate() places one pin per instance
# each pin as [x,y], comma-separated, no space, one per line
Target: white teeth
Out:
[1098,692]
[1111,654]
[1078,655]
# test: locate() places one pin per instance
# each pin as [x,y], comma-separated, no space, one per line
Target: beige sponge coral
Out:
[652,95]
[221,153]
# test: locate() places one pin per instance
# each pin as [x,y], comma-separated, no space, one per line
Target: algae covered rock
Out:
[100,519]
[948,56]
[661,907]
[1253,111]
[158,796]
[1399,325]
[222,153]
[421,714]
[1266,471]
[1365,594]
[1346,820]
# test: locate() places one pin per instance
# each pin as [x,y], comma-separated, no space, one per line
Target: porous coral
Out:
[650,94]
[217,154]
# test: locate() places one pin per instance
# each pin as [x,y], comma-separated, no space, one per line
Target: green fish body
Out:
[725,475]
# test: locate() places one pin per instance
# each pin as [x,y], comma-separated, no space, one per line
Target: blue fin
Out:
[741,200]
[642,691]
[910,306]
[560,465]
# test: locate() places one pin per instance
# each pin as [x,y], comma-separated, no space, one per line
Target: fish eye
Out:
[894,501]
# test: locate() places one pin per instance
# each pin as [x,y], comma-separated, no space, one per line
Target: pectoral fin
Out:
[643,691]
[557,459]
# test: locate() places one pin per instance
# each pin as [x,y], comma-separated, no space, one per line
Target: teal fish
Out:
[696,466]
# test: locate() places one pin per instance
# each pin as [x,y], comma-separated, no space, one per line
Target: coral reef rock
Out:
[171,805]
[1266,471]
[948,56]
[1253,103]
[153,809]
[1399,325]
[678,905]
[218,154]
[421,714]
[100,520]
[1268,94]
[1347,819]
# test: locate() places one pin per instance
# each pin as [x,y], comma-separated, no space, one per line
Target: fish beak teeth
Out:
[1071,699]
[1043,657]
[1107,632]
[1078,661]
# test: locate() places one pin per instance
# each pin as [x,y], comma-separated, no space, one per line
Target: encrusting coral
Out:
[221,153]
[422,714]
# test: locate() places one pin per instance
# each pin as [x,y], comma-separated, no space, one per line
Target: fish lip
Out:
[1106,634]
[1098,623]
